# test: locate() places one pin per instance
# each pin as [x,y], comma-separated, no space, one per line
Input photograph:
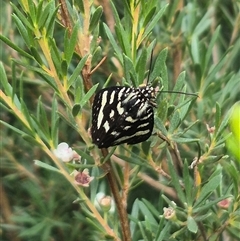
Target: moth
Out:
[123,115]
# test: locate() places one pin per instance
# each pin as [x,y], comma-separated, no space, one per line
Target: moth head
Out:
[150,93]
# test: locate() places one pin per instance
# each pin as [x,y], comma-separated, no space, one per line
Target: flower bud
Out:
[169,213]
[225,203]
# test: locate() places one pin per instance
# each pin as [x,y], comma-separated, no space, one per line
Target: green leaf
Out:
[185,106]
[115,14]
[34,229]
[143,231]
[26,114]
[217,116]
[183,140]
[49,25]
[36,55]
[69,46]
[97,54]
[208,189]
[160,68]
[174,122]
[204,23]
[76,109]
[209,205]
[32,140]
[93,222]
[40,16]
[192,225]
[77,71]
[78,90]
[44,75]
[18,131]
[21,18]
[55,54]
[178,86]
[80,4]
[176,182]
[88,95]
[15,47]
[231,89]
[46,166]
[43,15]
[43,133]
[134,216]
[159,124]
[23,31]
[135,159]
[95,183]
[188,184]
[141,66]
[151,208]
[41,118]
[163,230]
[195,49]
[4,81]
[64,68]
[146,212]
[113,43]
[149,16]
[32,10]
[94,21]
[210,46]
[213,71]
[224,123]
[153,23]
[129,70]
[85,156]
[162,109]
[54,121]
[123,40]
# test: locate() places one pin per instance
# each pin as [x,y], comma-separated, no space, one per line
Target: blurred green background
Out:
[202,39]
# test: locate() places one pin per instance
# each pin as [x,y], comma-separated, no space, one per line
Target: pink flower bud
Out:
[224,204]
[210,129]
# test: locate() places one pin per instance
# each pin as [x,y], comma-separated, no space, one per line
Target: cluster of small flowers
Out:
[67,154]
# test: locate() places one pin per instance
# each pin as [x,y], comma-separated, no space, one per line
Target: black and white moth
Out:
[123,115]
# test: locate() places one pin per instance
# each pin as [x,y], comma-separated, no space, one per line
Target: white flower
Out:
[65,153]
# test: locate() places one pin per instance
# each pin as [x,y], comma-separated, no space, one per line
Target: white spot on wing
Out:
[111,114]
[112,97]
[106,126]
[142,109]
[121,93]
[100,113]
[138,133]
[120,109]
[130,119]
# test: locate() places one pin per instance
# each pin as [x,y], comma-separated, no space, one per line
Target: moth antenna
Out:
[150,67]
[178,92]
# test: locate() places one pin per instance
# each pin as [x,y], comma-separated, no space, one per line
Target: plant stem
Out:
[107,166]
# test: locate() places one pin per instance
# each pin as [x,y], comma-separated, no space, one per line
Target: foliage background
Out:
[200,38]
